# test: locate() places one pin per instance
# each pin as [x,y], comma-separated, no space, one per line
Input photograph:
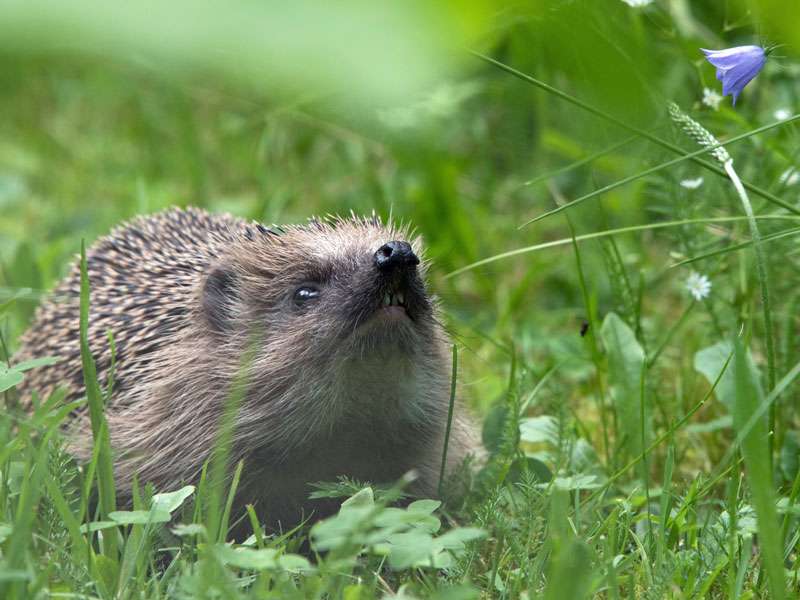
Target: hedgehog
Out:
[345,365]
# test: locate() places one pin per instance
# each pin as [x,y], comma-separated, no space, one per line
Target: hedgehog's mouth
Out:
[393,304]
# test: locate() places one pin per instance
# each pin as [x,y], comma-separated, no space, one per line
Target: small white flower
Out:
[711,98]
[636,3]
[699,286]
[692,184]
[782,114]
[789,177]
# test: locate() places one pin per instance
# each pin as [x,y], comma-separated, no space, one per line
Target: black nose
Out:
[392,255]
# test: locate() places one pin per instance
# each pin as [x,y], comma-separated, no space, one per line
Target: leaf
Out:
[574,482]
[106,571]
[12,375]
[236,41]
[409,548]
[247,558]
[571,572]
[9,575]
[530,465]
[456,539]
[725,422]
[294,563]
[44,361]
[171,501]
[746,524]
[748,396]
[339,529]
[5,531]
[457,592]
[790,454]
[583,457]
[98,526]
[626,362]
[139,517]
[543,429]
[362,498]
[710,362]
[355,592]
[398,518]
[184,530]
[8,377]
[106,494]
[8,304]
[425,506]
[261,560]
[417,549]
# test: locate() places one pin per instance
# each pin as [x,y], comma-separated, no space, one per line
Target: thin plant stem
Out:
[656,169]
[628,127]
[733,247]
[645,466]
[705,138]
[651,361]
[449,417]
[579,163]
[761,269]
[600,234]
[600,394]
[655,443]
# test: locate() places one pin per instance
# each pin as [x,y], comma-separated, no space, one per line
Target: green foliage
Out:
[406,537]
[626,364]
[12,375]
[637,444]
[102,442]
[756,453]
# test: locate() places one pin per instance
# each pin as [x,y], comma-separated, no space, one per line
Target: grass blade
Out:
[661,167]
[755,451]
[449,418]
[734,247]
[105,468]
[609,232]
[645,134]
[571,564]
[626,364]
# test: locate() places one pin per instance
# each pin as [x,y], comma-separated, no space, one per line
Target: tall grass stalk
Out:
[705,138]
[450,408]
[591,317]
[661,167]
[628,127]
[755,450]
[763,279]
[617,231]
[740,246]
[106,494]
[217,513]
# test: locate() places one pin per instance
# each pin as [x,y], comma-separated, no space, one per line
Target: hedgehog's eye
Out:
[305,293]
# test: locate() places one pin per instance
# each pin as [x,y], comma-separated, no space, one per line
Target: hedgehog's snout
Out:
[395,255]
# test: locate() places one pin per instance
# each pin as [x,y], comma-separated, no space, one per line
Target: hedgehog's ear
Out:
[219,298]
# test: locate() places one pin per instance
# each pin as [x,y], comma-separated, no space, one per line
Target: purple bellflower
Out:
[736,66]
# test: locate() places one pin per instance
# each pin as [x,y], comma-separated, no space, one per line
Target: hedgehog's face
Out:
[345,330]
[321,290]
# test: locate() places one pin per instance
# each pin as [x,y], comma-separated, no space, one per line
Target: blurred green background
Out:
[280,111]
[277,112]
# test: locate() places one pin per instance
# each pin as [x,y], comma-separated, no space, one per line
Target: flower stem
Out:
[761,268]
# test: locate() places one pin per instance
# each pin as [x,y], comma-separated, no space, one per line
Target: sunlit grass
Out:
[629,426]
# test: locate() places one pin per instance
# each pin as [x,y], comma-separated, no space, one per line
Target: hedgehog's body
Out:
[346,368]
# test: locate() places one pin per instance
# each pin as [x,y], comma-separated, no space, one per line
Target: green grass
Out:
[642,444]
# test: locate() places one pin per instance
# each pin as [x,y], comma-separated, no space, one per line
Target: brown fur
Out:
[329,392]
